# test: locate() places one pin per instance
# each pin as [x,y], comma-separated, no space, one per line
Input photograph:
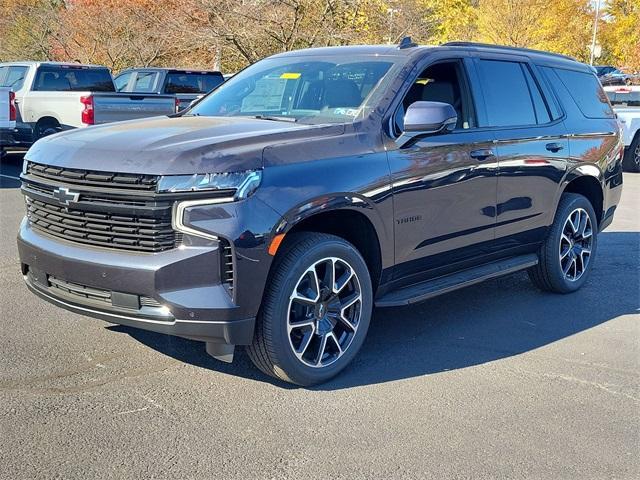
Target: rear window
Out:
[73,79]
[586,91]
[185,82]
[625,98]
[145,82]
[12,77]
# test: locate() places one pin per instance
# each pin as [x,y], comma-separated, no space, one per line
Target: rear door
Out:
[531,144]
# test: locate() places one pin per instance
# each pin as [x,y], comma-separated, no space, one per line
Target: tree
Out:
[620,34]
[27,28]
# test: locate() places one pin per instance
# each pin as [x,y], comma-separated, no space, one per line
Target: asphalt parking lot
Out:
[495,381]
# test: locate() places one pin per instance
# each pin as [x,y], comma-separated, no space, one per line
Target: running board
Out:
[437,286]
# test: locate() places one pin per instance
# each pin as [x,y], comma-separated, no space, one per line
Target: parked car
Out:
[52,97]
[626,104]
[609,75]
[7,117]
[186,85]
[316,184]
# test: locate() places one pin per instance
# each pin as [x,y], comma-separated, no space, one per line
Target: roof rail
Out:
[406,42]
[506,47]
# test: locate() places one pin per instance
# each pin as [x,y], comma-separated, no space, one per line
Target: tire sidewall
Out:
[631,162]
[286,360]
[574,201]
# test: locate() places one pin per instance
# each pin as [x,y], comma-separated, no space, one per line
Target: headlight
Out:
[244,183]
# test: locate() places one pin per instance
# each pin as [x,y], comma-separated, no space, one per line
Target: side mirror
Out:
[430,117]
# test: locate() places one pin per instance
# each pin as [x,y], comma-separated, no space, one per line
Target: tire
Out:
[631,162]
[287,326]
[565,244]
[45,129]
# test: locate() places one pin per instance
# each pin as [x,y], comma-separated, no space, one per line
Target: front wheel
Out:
[315,312]
[566,256]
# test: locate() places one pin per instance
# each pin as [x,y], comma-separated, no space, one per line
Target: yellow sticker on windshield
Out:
[290,76]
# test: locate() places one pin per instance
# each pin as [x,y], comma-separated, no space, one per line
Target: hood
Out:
[172,146]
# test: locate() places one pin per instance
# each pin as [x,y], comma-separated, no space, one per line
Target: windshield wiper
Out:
[276,119]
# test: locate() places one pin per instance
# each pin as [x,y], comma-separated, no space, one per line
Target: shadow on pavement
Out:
[480,324]
[10,168]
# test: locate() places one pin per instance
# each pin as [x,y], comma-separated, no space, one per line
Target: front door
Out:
[445,184]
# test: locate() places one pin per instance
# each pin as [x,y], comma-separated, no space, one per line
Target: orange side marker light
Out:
[275,243]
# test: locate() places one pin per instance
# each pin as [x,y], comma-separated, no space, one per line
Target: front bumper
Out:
[182,286]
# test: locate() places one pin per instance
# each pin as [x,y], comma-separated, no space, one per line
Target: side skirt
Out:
[438,286]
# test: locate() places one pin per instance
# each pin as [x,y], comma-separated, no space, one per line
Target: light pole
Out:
[595,32]
[391,11]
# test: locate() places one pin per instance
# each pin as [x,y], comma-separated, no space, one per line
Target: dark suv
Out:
[315,184]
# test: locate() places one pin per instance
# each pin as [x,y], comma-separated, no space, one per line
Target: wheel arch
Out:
[586,182]
[350,224]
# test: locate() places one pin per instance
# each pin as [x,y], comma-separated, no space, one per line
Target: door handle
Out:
[481,154]
[554,147]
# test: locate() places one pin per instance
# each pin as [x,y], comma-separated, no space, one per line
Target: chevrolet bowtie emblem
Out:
[64,196]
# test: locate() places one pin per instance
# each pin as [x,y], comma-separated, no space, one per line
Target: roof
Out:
[411,49]
[31,63]
[169,69]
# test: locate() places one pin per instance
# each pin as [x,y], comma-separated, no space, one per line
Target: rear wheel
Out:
[315,312]
[632,156]
[566,257]
[46,128]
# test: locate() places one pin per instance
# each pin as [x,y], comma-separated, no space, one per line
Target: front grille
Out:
[116,230]
[102,299]
[80,291]
[73,176]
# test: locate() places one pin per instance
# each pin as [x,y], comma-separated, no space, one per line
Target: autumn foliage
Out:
[229,34]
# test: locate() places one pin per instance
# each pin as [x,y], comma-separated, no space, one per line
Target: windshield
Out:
[302,89]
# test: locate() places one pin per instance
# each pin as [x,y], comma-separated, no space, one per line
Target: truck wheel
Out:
[632,157]
[567,254]
[315,312]
[45,129]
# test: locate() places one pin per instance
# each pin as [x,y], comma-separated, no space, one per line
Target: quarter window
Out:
[587,93]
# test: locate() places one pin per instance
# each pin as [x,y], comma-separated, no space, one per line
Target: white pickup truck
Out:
[53,96]
[626,103]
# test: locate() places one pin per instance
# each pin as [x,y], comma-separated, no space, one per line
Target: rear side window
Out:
[12,77]
[186,82]
[512,96]
[73,79]
[586,91]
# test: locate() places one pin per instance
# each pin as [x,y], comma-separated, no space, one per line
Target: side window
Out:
[587,93]
[443,82]
[145,82]
[539,105]
[121,81]
[508,94]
